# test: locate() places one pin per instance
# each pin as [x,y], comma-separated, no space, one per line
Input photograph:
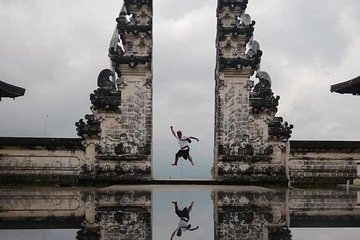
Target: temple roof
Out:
[10,91]
[352,86]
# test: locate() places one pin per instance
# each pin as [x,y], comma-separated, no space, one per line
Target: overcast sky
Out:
[55,49]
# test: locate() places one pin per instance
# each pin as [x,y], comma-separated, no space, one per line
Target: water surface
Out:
[203,212]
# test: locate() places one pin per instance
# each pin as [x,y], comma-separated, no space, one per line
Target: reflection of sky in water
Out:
[165,221]
[326,233]
[39,234]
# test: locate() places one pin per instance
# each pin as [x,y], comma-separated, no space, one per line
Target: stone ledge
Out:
[245,158]
[45,143]
[304,145]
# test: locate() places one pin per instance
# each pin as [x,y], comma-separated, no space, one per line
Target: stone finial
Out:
[254,49]
[263,76]
[115,48]
[123,10]
[122,19]
[104,80]
[244,20]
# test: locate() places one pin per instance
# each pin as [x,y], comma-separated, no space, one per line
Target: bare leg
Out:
[190,159]
[176,206]
[176,160]
[190,207]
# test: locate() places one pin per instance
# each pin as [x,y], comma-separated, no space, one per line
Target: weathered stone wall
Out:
[323,162]
[250,142]
[41,159]
[106,214]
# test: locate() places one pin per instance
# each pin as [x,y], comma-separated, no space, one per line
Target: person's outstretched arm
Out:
[173,131]
[195,138]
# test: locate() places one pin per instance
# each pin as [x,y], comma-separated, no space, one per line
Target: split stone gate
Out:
[250,142]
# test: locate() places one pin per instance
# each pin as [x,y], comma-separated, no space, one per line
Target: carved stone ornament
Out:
[104,80]
[134,22]
[244,21]
[121,82]
[143,17]
[280,130]
[238,29]
[131,60]
[122,20]
[233,3]
[138,3]
[148,82]
[90,128]
[88,232]
[227,18]
[279,232]
[142,45]
[106,97]
[254,50]
[241,62]
[262,98]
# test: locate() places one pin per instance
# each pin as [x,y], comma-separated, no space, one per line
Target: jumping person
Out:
[184,220]
[184,151]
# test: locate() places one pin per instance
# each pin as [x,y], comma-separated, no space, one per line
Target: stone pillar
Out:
[250,142]
[122,104]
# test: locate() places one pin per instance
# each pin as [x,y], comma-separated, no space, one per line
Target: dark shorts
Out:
[184,153]
[183,214]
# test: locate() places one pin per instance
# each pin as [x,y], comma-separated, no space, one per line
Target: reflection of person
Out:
[184,220]
[184,151]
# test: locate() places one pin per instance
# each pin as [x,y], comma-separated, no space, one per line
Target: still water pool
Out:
[178,212]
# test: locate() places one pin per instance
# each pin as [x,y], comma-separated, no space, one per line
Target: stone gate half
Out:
[250,142]
[118,133]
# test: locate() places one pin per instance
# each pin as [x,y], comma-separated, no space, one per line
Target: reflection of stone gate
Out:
[250,142]
[125,212]
[258,213]
[107,214]
[253,213]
